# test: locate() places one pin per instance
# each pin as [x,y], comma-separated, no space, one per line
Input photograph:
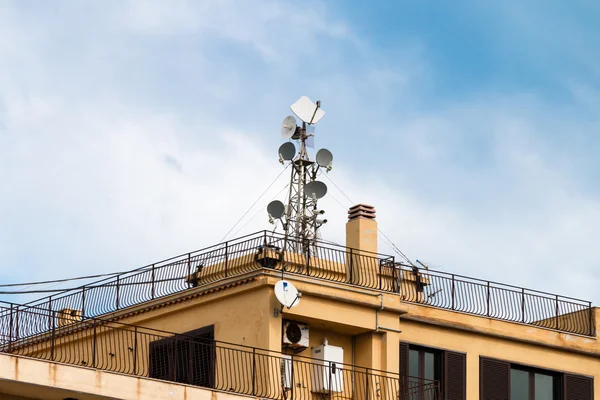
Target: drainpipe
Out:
[381,328]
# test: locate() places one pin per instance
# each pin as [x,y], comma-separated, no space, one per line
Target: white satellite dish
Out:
[276,209]
[324,158]
[287,151]
[287,294]
[315,189]
[307,111]
[288,127]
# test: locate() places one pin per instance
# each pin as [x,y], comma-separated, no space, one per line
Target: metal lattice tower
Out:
[300,216]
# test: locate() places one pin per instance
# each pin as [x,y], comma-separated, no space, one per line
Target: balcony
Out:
[329,262]
[139,351]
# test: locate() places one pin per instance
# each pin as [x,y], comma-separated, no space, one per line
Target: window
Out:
[188,358]
[501,380]
[530,384]
[421,365]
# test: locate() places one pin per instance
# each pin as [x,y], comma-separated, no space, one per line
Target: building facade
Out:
[366,327]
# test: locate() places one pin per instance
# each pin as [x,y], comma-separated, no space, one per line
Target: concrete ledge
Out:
[25,377]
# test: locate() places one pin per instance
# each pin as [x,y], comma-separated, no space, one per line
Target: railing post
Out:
[117,294]
[152,284]
[453,290]
[398,276]
[488,298]
[53,339]
[226,259]
[10,328]
[83,302]
[330,379]
[135,339]
[292,369]
[189,267]
[523,305]
[94,347]
[17,323]
[556,311]
[591,329]
[50,312]
[367,384]
[351,266]
[380,275]
[253,371]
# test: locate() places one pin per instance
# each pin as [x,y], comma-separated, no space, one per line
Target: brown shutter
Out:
[494,379]
[578,387]
[455,373]
[161,359]
[403,359]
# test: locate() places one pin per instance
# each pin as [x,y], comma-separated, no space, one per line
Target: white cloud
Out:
[111,159]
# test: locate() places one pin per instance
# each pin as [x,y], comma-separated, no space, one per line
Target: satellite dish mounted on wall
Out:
[287,294]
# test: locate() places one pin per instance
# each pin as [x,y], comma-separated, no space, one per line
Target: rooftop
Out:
[325,261]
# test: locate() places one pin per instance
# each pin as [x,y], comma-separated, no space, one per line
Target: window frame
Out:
[531,371]
[442,359]
[566,384]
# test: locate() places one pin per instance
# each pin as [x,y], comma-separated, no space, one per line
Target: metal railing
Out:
[329,262]
[497,300]
[140,351]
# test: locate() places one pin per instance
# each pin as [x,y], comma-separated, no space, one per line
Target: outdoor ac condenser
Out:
[327,373]
[295,335]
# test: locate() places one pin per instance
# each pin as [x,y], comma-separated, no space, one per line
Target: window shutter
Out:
[161,359]
[494,379]
[578,387]
[455,373]
[403,359]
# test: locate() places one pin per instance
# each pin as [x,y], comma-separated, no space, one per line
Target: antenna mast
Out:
[300,217]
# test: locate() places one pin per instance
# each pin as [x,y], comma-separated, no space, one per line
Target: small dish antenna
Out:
[288,127]
[287,294]
[276,209]
[315,189]
[324,158]
[287,151]
[307,111]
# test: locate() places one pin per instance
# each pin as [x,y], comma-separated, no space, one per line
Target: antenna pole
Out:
[300,220]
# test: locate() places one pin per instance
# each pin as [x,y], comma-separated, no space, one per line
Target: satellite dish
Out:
[288,127]
[276,209]
[315,189]
[287,151]
[324,158]
[287,294]
[307,111]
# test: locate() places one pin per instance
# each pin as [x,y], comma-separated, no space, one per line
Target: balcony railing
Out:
[140,351]
[328,262]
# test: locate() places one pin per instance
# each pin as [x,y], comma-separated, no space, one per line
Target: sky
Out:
[132,131]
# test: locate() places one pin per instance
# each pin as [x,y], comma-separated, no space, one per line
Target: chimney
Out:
[361,228]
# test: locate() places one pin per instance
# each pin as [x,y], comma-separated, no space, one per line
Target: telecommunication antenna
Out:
[300,217]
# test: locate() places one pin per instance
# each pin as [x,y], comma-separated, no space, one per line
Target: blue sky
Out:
[131,131]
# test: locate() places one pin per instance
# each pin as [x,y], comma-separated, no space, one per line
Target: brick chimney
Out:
[361,228]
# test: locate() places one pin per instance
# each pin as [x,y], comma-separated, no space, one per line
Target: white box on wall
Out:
[328,362]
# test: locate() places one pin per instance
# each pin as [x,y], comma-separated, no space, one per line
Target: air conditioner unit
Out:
[68,316]
[286,371]
[295,335]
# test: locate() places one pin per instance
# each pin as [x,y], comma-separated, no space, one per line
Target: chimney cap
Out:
[361,211]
